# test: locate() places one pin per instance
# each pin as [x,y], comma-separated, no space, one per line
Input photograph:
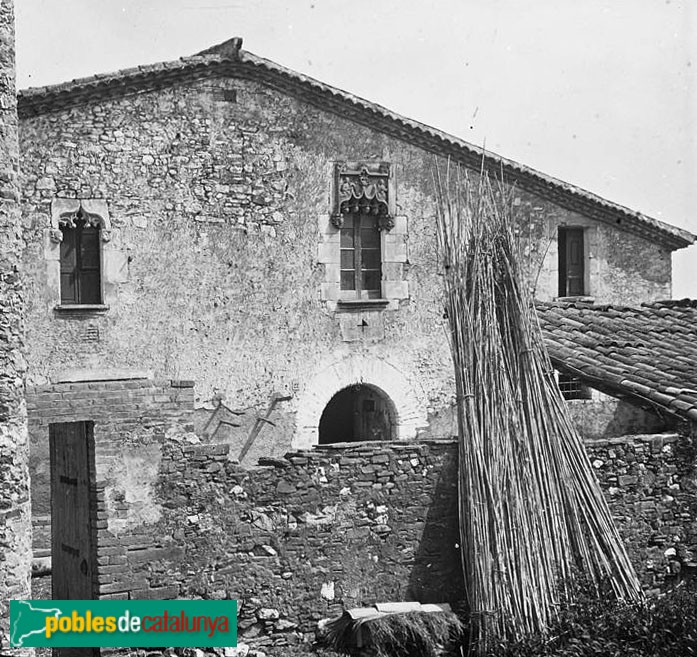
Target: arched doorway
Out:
[358,413]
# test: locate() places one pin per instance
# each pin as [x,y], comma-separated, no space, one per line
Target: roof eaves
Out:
[436,141]
[227,58]
[41,100]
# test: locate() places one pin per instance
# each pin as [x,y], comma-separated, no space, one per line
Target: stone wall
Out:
[651,484]
[603,416]
[219,208]
[301,538]
[296,539]
[15,522]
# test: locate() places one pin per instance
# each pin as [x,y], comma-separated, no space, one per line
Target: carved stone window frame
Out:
[372,182]
[64,211]
[94,211]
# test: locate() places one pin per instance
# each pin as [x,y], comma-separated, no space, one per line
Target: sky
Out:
[599,93]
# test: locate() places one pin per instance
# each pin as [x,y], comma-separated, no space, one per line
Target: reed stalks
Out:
[532,515]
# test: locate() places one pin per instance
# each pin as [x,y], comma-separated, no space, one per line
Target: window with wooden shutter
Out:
[80,262]
[571,263]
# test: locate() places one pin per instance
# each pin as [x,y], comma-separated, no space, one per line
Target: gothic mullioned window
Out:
[80,228]
[361,213]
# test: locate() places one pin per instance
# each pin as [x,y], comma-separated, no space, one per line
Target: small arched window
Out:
[80,261]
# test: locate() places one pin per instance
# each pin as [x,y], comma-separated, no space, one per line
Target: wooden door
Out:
[72,538]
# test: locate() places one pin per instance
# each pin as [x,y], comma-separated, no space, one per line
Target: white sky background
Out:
[599,93]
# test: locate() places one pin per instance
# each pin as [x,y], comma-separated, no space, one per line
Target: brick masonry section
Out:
[132,419]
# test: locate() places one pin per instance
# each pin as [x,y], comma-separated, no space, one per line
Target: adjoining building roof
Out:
[228,60]
[647,353]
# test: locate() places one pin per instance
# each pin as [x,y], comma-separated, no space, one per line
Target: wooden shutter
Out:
[90,284]
[80,264]
[571,262]
[68,260]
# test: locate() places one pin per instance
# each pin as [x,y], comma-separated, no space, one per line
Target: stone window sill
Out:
[361,304]
[581,299]
[81,308]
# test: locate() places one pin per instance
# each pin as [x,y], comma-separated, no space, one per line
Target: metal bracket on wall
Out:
[214,416]
[260,423]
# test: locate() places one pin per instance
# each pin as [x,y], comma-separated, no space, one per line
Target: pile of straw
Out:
[410,634]
[532,515]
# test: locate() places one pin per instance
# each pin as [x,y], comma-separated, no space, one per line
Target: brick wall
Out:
[15,523]
[132,419]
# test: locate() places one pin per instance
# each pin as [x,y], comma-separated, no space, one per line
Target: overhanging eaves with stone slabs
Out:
[227,60]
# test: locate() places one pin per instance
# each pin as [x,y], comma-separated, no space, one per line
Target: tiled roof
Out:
[228,60]
[647,353]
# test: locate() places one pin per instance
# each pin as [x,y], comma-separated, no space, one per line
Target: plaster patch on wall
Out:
[133,502]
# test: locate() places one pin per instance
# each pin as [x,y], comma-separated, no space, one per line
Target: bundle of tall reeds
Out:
[532,515]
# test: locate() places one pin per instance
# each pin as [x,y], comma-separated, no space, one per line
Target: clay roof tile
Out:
[648,352]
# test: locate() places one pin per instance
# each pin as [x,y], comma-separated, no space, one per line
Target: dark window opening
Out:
[355,414]
[361,266]
[572,387]
[571,263]
[80,263]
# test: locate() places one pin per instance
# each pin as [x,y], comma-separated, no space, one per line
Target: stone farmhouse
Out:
[226,260]
[227,221]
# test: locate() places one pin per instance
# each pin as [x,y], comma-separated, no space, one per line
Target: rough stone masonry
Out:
[15,518]
[304,537]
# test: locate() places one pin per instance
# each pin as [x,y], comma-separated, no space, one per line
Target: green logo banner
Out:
[123,623]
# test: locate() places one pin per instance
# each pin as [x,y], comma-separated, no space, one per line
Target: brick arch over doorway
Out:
[410,409]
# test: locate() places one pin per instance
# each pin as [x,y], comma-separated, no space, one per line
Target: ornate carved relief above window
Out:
[64,211]
[364,188]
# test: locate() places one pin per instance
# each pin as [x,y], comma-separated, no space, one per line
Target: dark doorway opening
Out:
[358,413]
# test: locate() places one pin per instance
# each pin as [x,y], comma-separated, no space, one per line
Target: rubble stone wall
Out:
[301,538]
[15,520]
[650,482]
[608,417]
[297,539]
